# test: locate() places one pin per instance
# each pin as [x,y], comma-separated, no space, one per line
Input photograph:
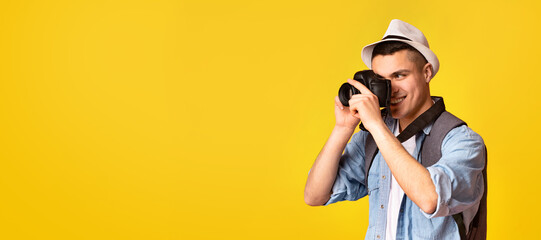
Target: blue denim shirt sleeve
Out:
[349,182]
[458,174]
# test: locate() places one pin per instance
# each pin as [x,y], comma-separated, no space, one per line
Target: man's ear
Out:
[427,72]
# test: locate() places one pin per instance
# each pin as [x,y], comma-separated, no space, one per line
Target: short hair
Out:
[390,47]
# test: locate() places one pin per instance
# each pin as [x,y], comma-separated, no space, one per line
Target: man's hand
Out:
[344,118]
[365,106]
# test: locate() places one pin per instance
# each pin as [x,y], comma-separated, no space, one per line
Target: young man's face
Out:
[410,93]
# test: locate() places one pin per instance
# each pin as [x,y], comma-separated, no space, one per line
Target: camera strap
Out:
[423,120]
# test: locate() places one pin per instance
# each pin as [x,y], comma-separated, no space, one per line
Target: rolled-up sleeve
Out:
[458,175]
[349,182]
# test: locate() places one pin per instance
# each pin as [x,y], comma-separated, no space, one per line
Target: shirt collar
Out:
[428,127]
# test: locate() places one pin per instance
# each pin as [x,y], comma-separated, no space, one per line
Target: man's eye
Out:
[400,75]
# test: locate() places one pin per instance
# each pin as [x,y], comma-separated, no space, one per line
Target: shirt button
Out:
[377,236]
[382,206]
[383,177]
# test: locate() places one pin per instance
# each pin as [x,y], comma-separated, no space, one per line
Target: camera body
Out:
[379,86]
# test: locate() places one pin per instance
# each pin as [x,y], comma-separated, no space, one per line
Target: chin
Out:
[395,114]
[394,111]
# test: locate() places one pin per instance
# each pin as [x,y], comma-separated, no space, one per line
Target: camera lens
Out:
[345,92]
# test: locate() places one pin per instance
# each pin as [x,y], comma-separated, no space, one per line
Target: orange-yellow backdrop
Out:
[200,119]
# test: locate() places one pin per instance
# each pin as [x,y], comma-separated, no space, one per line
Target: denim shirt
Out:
[457,177]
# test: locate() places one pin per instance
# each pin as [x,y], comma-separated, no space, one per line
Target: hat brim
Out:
[366,53]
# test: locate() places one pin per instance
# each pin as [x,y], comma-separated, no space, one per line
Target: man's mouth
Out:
[397,100]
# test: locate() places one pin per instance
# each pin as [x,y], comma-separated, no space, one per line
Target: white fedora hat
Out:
[404,32]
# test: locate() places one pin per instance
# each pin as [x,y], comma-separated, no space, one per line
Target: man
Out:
[407,200]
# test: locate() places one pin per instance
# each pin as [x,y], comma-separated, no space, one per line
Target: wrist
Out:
[376,128]
[344,130]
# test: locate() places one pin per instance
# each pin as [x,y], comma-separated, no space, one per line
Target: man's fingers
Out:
[361,97]
[359,86]
[361,101]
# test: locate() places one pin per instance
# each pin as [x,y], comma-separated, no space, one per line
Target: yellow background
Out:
[200,119]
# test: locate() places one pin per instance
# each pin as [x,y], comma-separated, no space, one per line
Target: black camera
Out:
[379,86]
